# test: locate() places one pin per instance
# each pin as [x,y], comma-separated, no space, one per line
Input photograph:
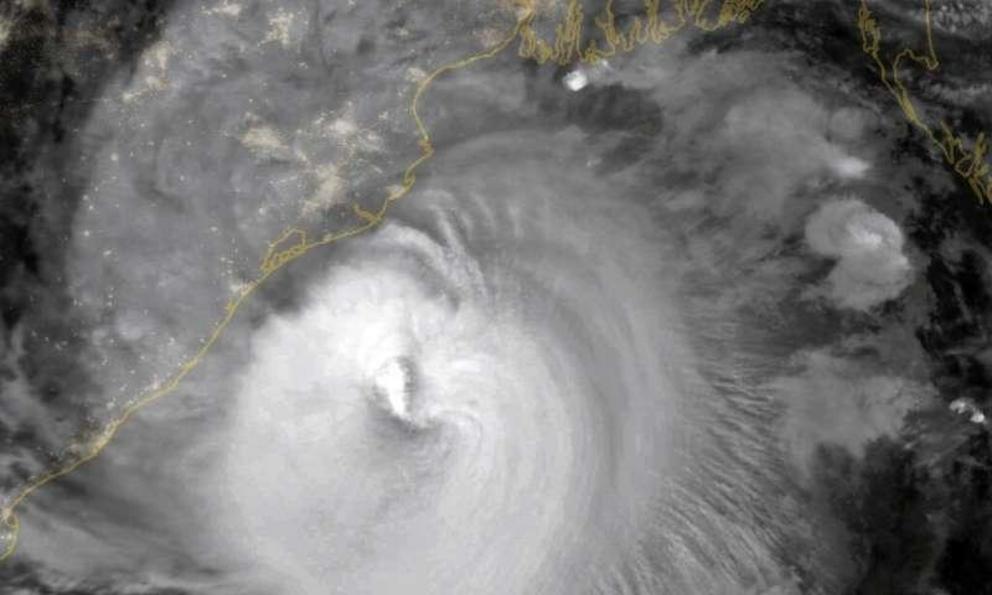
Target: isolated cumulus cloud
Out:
[868,246]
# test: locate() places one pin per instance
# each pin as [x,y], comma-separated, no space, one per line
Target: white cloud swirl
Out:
[492,394]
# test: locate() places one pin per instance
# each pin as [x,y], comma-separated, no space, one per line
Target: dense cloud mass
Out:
[871,267]
[704,317]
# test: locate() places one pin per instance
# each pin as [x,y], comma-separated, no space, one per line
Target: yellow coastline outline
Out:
[570,45]
[970,164]
[290,245]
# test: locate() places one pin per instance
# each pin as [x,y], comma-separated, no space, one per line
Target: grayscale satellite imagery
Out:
[495,297]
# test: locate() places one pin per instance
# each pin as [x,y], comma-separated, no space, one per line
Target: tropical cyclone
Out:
[494,393]
[591,350]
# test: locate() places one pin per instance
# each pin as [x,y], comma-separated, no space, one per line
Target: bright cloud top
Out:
[871,266]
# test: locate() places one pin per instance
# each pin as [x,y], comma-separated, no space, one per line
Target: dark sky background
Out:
[816,275]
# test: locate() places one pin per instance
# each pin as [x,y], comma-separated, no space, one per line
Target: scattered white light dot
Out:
[967,407]
[576,80]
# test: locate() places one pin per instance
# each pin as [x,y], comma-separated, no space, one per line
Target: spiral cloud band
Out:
[616,337]
[491,394]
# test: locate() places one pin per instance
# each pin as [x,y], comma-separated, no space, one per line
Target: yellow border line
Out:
[277,257]
[571,43]
[970,165]
[568,46]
